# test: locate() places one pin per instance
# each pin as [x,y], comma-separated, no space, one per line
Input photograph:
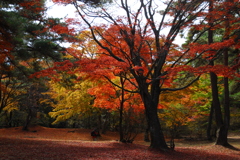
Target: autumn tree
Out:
[183,106]
[220,34]
[10,92]
[70,101]
[140,40]
[31,45]
[126,104]
[222,118]
[36,41]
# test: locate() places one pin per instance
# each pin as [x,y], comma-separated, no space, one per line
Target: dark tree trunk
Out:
[151,101]
[120,124]
[157,140]
[146,135]
[209,127]
[99,121]
[217,109]
[121,111]
[156,133]
[223,140]
[222,133]
[105,122]
[28,120]
[221,128]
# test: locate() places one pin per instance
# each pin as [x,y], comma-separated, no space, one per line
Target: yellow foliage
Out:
[68,103]
[11,106]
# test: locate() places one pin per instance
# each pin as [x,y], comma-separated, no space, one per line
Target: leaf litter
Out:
[52,144]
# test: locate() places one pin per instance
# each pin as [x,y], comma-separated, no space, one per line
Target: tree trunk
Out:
[157,140]
[156,133]
[222,134]
[28,120]
[121,111]
[224,129]
[146,135]
[120,124]
[217,109]
[209,127]
[221,128]
[151,101]
[105,122]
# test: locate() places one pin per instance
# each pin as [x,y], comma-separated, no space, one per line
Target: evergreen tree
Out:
[29,42]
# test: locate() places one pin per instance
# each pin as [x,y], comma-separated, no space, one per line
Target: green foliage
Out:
[31,45]
[235,96]
[193,34]
[33,42]
[234,88]
[187,111]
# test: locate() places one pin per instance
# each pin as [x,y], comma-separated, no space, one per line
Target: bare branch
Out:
[177,89]
[109,80]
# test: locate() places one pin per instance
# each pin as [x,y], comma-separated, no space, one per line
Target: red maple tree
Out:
[139,47]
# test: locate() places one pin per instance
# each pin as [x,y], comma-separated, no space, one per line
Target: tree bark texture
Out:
[157,139]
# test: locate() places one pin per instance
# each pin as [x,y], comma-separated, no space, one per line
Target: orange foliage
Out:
[31,7]
[5,48]
[109,97]
[119,41]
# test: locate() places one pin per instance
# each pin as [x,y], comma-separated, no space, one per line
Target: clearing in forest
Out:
[76,144]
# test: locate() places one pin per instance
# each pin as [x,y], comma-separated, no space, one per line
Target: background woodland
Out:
[125,74]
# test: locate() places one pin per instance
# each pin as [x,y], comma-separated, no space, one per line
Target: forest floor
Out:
[41,143]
